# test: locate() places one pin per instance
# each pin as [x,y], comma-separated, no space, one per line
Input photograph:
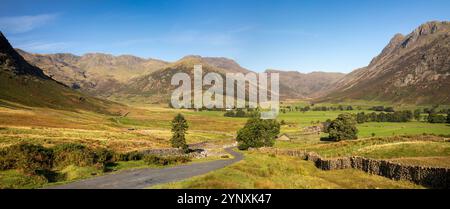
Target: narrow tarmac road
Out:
[146,177]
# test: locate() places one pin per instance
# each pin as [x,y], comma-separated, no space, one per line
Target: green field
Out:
[362,104]
[419,146]
[409,128]
[296,121]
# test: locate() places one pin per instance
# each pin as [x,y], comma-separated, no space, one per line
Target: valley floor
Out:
[143,128]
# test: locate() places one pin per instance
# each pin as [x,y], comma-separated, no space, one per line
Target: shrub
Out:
[245,113]
[258,133]
[417,114]
[179,159]
[156,160]
[6,161]
[398,117]
[377,108]
[435,118]
[361,117]
[165,160]
[73,154]
[103,156]
[29,158]
[229,113]
[343,128]
[129,156]
[240,113]
[448,116]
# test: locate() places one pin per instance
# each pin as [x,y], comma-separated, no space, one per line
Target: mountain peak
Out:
[397,38]
[226,64]
[400,44]
[12,62]
[414,68]
[424,31]
[431,27]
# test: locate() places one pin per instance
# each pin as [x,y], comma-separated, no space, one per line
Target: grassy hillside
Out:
[296,85]
[96,73]
[36,92]
[156,87]
[24,84]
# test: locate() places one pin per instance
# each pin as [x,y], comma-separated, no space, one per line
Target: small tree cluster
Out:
[240,113]
[398,116]
[382,109]
[436,118]
[316,108]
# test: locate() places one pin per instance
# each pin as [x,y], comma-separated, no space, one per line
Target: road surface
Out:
[146,177]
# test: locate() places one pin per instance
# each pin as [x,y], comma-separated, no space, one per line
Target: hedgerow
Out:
[165,160]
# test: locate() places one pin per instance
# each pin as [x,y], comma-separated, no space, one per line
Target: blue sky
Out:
[325,35]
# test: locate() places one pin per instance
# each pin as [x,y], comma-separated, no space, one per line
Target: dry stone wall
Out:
[427,176]
[163,152]
[197,153]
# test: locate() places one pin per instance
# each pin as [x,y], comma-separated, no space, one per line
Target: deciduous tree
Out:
[343,128]
[258,133]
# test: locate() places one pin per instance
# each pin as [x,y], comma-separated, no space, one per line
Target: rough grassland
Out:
[140,129]
[263,171]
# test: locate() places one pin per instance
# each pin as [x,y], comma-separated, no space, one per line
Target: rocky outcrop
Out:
[426,176]
[411,69]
